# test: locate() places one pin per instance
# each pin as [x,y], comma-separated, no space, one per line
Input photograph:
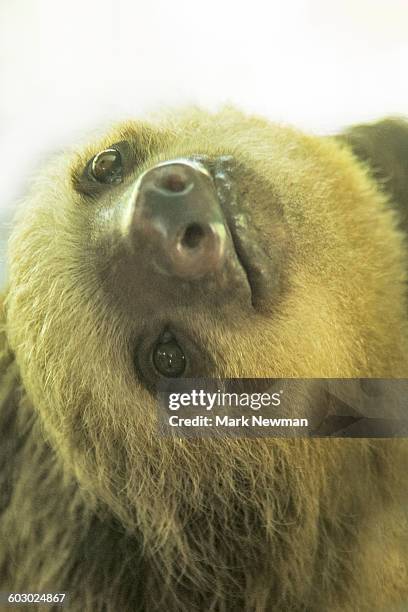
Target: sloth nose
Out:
[174,215]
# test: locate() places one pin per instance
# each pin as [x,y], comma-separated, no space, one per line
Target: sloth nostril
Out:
[193,236]
[172,181]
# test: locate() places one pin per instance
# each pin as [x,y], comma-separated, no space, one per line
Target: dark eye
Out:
[106,167]
[168,357]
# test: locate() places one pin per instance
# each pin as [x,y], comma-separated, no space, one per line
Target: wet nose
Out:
[175,213]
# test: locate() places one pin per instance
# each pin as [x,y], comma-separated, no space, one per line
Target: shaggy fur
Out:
[94,503]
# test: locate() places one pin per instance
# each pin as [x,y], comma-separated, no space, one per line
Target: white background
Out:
[69,66]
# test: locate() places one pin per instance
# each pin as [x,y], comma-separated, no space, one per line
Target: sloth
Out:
[203,245]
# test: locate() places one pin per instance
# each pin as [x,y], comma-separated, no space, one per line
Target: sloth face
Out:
[207,245]
[177,233]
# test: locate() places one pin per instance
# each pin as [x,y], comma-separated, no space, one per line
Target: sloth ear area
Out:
[383,147]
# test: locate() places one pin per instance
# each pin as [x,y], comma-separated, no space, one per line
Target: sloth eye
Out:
[168,357]
[106,167]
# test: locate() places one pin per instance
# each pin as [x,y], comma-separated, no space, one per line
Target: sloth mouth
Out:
[238,240]
[252,259]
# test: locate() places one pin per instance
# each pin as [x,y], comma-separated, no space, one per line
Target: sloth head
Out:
[203,245]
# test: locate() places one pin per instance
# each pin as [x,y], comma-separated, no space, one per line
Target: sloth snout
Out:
[174,211]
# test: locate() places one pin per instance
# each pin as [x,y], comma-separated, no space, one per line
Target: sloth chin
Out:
[218,512]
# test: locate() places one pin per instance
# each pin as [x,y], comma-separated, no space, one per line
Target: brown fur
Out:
[96,504]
